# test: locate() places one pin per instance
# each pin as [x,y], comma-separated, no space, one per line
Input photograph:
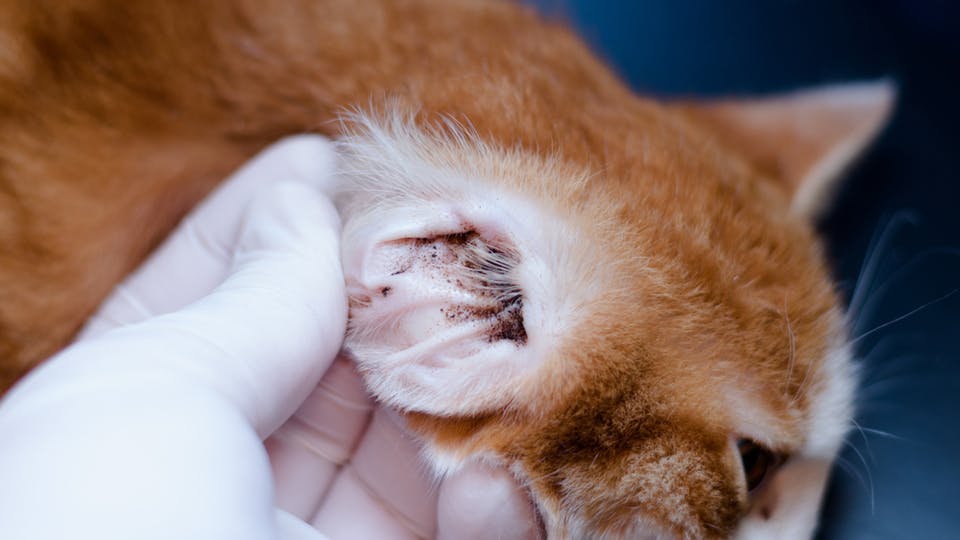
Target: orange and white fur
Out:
[620,300]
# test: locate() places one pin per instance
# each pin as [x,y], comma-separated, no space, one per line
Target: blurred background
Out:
[893,236]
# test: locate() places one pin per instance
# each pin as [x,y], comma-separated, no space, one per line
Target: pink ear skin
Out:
[437,325]
[803,140]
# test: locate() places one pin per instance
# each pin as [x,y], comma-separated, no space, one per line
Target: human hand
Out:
[150,426]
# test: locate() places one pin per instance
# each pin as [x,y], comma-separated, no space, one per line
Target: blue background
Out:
[898,214]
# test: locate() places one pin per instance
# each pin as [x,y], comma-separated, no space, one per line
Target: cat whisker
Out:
[882,387]
[713,526]
[533,479]
[885,347]
[878,396]
[902,365]
[802,387]
[866,442]
[904,316]
[884,434]
[791,360]
[863,460]
[879,293]
[882,236]
[866,481]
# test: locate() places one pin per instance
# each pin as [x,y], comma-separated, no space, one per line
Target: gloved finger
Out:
[480,502]
[157,417]
[384,492]
[307,451]
[266,335]
[285,304]
[197,256]
[118,458]
[294,528]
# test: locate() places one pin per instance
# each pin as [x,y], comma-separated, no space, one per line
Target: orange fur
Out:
[116,117]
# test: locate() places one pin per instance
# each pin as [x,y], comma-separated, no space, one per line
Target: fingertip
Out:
[485,502]
[289,215]
[314,202]
[308,158]
[293,528]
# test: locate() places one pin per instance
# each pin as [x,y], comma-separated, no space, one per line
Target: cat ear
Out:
[806,139]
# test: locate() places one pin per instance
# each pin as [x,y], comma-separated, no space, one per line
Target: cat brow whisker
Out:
[884,372]
[903,364]
[885,347]
[904,316]
[847,466]
[884,434]
[791,361]
[881,236]
[879,292]
[803,384]
[866,481]
[866,442]
[866,466]
[880,387]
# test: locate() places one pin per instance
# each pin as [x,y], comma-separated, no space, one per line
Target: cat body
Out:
[620,300]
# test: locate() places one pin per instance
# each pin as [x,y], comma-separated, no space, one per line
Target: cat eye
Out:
[758,462]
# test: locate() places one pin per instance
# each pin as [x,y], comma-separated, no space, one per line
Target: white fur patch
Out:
[831,404]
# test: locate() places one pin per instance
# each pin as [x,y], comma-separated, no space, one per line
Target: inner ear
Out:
[437,315]
[804,140]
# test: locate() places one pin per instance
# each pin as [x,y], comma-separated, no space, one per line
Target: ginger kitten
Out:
[620,300]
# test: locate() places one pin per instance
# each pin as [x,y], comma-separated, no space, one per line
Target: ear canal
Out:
[805,140]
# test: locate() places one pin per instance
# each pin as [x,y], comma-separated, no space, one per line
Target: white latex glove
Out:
[150,426]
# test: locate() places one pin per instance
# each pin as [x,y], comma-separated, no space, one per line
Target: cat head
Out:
[649,341]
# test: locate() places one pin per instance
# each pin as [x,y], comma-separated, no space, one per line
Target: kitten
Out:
[620,300]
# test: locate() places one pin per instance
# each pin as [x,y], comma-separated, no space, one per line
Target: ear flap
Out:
[806,139]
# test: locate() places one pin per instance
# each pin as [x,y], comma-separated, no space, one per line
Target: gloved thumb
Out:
[278,320]
[477,502]
[262,339]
